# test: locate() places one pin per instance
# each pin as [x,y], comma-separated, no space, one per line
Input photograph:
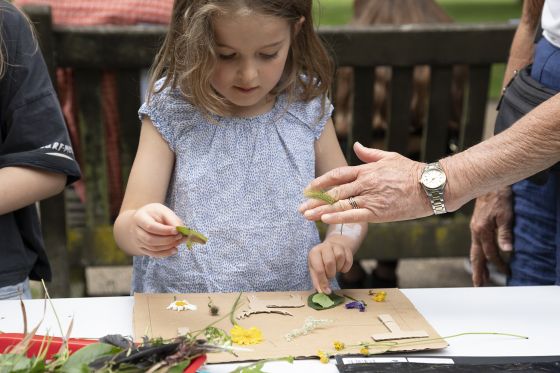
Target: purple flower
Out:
[356,304]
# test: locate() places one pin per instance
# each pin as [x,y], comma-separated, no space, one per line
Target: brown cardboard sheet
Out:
[151,318]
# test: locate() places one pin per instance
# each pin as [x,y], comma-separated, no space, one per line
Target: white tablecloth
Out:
[530,311]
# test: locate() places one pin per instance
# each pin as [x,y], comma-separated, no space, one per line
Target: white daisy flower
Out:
[181,305]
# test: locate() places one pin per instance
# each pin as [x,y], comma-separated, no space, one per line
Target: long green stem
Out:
[233,308]
[397,344]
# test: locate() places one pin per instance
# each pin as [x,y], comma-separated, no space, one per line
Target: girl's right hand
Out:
[154,230]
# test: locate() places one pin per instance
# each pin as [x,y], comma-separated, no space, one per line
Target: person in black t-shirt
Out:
[36,159]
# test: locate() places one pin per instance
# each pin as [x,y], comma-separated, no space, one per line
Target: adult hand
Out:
[386,188]
[325,260]
[154,230]
[491,235]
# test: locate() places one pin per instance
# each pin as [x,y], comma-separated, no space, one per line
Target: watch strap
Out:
[436,195]
[436,200]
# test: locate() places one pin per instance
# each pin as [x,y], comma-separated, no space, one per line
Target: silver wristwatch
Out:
[433,181]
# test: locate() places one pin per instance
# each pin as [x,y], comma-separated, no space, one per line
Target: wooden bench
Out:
[89,50]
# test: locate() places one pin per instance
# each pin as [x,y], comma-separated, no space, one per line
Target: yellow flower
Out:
[380,296]
[364,351]
[338,345]
[243,336]
[323,357]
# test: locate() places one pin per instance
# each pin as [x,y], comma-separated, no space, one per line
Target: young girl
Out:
[233,131]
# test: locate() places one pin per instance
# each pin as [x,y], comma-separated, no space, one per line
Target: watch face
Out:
[433,179]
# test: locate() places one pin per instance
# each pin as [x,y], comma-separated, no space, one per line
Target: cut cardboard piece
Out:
[153,320]
[257,305]
[395,331]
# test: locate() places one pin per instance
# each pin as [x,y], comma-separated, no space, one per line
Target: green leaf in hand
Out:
[192,236]
[320,195]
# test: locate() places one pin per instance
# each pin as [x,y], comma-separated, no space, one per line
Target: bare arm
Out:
[532,144]
[521,51]
[23,186]
[145,226]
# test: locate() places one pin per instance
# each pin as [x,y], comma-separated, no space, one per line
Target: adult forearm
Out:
[532,144]
[23,186]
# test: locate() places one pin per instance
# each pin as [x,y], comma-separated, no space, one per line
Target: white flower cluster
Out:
[309,325]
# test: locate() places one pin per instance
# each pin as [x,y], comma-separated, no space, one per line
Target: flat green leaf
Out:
[79,360]
[322,301]
[192,236]
[15,363]
[180,367]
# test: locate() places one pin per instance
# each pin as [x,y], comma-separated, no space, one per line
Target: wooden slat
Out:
[92,135]
[433,237]
[135,46]
[128,83]
[362,111]
[473,127]
[435,133]
[408,45]
[398,129]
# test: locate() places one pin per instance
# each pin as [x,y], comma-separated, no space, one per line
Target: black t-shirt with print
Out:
[32,134]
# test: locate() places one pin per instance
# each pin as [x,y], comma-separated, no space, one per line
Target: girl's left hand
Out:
[325,260]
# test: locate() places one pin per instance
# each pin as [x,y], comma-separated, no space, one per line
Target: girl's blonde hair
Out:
[187,57]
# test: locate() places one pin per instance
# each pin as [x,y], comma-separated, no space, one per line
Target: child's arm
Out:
[336,252]
[23,186]
[144,225]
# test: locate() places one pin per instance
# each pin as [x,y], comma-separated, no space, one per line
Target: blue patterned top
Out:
[238,181]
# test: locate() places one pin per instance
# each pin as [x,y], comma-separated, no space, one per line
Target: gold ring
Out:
[353,203]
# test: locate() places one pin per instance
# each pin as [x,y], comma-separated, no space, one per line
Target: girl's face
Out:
[252,49]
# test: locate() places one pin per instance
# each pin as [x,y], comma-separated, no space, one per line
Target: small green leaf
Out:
[79,360]
[192,236]
[180,367]
[15,363]
[321,301]
[320,195]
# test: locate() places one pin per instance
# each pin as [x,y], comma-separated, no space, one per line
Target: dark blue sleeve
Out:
[32,128]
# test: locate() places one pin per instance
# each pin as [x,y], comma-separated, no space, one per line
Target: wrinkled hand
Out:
[491,235]
[154,230]
[325,260]
[386,188]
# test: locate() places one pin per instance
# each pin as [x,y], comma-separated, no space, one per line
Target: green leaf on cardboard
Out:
[192,236]
[321,301]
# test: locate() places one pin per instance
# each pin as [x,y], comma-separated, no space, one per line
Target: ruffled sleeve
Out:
[314,113]
[170,113]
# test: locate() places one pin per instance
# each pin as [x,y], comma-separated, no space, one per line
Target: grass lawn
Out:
[337,12]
